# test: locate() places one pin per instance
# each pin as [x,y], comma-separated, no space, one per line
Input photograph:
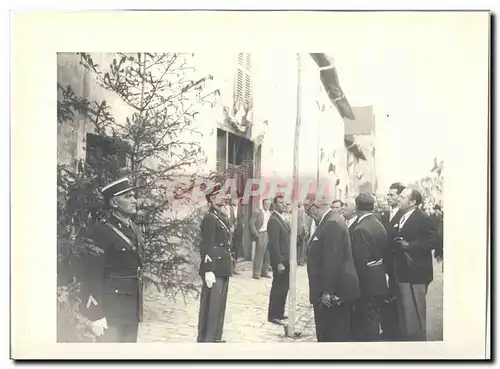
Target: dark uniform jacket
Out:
[215,246]
[278,232]
[330,264]
[416,266]
[369,241]
[112,285]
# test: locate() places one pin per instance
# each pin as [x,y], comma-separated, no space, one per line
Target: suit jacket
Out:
[256,223]
[378,215]
[391,226]
[308,223]
[420,232]
[278,232]
[215,246]
[112,285]
[369,241]
[330,264]
[352,226]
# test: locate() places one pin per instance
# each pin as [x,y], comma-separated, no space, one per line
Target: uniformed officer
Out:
[112,285]
[215,268]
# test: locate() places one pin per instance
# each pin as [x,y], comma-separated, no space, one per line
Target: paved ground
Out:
[246,315]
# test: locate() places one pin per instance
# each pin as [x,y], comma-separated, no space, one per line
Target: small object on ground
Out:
[277,321]
[287,332]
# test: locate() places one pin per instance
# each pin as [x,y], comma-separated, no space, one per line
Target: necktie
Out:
[403,220]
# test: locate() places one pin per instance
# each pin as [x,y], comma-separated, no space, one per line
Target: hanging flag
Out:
[330,80]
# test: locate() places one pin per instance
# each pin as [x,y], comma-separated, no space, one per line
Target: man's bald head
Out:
[349,209]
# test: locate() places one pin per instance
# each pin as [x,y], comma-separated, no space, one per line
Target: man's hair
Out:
[365,202]
[279,196]
[416,195]
[339,201]
[350,199]
[398,186]
[106,202]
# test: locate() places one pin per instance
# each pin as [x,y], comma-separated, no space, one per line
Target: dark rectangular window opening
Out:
[102,151]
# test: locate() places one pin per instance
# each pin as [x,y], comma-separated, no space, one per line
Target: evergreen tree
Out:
[159,141]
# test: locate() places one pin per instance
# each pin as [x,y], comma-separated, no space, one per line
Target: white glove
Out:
[209,279]
[98,327]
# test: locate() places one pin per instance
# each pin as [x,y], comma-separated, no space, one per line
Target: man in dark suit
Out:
[390,220]
[258,229]
[278,231]
[413,245]
[369,240]
[111,289]
[333,282]
[215,268]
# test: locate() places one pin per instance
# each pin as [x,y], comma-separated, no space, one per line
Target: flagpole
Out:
[295,190]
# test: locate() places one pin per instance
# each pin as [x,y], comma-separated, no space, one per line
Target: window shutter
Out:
[248,89]
[240,83]
[243,85]
[248,62]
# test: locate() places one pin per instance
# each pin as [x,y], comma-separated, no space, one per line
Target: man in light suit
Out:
[369,240]
[333,282]
[258,228]
[413,244]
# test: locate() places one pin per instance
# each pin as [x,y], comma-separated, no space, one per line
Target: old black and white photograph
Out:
[264,194]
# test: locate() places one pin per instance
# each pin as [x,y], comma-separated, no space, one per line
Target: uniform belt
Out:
[224,245]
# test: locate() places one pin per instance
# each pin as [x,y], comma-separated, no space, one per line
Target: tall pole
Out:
[295,191]
[318,155]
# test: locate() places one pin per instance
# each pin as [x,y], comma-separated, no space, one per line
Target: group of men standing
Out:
[377,266]
[368,272]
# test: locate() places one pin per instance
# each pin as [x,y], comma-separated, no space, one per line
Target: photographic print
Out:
[264,194]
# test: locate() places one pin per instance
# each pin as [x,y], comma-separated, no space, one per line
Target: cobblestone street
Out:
[166,320]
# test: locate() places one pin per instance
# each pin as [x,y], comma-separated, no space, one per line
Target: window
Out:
[232,150]
[239,149]
[243,83]
[234,154]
